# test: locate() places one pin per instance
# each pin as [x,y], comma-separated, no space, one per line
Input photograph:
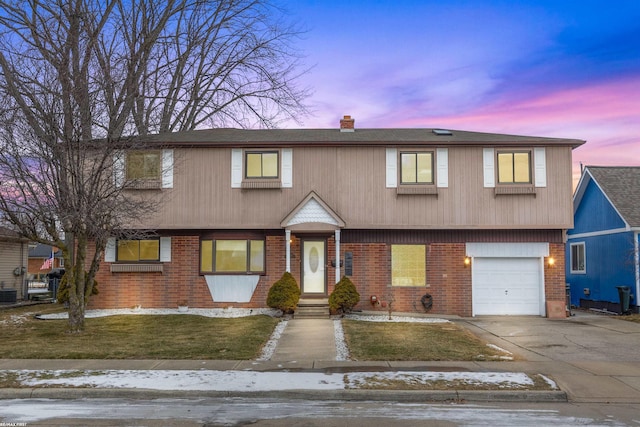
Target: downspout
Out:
[287,238]
[23,270]
[636,256]
[338,255]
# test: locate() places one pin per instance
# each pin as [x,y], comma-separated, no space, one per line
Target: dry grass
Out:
[196,337]
[630,318]
[132,337]
[414,341]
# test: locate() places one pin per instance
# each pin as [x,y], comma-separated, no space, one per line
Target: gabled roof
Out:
[620,184]
[312,213]
[300,137]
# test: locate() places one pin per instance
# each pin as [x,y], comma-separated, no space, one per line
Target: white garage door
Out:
[507,286]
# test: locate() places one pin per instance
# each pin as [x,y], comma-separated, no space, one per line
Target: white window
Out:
[578,258]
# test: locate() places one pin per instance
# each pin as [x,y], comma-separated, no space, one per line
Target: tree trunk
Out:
[76,314]
[76,281]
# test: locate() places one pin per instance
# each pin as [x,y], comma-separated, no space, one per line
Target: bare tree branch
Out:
[81,79]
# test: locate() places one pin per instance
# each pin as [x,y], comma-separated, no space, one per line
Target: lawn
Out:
[180,336]
[414,341]
[132,337]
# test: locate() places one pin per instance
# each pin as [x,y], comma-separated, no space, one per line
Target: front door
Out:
[313,267]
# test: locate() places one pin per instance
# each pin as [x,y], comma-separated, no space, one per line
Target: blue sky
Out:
[560,68]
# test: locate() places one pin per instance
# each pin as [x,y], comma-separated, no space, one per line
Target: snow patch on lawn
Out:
[201,380]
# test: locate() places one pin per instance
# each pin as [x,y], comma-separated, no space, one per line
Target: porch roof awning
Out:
[312,214]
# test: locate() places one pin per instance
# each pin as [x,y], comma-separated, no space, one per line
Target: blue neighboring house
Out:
[602,248]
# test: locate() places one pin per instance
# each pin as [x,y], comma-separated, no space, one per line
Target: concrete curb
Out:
[414,396]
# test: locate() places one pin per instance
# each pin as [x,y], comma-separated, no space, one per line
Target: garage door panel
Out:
[507,286]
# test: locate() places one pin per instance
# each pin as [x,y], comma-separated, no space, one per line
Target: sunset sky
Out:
[557,68]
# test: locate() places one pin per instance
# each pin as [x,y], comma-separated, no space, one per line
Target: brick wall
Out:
[554,277]
[448,279]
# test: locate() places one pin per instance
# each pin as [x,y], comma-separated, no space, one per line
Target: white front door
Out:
[313,267]
[511,286]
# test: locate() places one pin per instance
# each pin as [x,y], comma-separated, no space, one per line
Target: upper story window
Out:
[144,165]
[232,256]
[261,164]
[578,260]
[416,168]
[143,250]
[514,167]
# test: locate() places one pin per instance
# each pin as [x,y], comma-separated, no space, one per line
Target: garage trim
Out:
[507,251]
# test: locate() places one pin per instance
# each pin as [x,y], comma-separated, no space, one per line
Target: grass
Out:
[414,341]
[631,318]
[196,337]
[132,337]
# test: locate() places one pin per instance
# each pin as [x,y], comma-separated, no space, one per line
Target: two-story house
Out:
[475,221]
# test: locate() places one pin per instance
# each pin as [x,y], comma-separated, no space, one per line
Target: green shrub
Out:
[284,294]
[63,289]
[344,297]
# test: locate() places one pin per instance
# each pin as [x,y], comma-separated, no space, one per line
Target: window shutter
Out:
[287,168]
[442,159]
[165,249]
[488,167]
[118,168]
[392,168]
[540,166]
[236,168]
[110,250]
[167,168]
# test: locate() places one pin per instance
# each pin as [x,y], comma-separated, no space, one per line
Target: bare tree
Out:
[81,79]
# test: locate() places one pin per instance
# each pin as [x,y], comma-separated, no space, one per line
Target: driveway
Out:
[594,358]
[584,336]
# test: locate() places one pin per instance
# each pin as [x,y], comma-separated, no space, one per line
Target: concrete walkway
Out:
[306,339]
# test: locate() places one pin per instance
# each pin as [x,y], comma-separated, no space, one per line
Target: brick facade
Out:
[448,279]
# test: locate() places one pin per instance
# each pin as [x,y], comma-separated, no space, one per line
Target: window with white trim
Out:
[577,258]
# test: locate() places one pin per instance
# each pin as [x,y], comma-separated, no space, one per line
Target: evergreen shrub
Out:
[284,294]
[344,296]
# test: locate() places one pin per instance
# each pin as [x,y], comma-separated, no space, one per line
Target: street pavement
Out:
[592,358]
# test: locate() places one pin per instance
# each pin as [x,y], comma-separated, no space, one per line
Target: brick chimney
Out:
[347,124]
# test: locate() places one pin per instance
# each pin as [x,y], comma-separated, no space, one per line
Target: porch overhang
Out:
[312,214]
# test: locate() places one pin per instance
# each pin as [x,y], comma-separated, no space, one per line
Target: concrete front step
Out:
[317,308]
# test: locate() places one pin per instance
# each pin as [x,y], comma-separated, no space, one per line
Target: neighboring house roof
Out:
[8,234]
[292,137]
[43,251]
[620,184]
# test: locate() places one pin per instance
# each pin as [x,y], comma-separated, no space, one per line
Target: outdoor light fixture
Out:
[467,261]
[550,262]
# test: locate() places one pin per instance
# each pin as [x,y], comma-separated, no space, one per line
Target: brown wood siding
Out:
[351,180]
